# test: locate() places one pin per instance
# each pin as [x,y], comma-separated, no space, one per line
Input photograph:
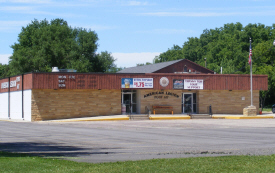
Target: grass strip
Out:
[12,162]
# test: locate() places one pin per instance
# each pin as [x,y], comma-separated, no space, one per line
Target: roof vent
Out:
[67,70]
[55,69]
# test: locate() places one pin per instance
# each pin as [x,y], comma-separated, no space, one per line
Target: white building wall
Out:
[4,110]
[16,105]
[27,105]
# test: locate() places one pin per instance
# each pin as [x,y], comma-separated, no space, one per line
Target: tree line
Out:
[228,47]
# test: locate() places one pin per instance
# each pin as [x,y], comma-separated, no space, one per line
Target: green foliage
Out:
[4,70]
[142,64]
[228,47]
[43,45]
[10,162]
[105,61]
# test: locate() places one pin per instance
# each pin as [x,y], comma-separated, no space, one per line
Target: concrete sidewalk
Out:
[165,117]
[96,118]
[265,115]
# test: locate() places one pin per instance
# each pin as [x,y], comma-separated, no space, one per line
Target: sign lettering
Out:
[137,83]
[193,84]
[13,84]
[4,85]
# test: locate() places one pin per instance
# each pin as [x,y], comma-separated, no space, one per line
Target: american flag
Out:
[250,55]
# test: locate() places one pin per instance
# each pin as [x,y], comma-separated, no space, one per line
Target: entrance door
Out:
[129,99]
[126,99]
[187,103]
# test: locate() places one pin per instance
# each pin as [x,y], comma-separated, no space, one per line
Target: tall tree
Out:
[43,45]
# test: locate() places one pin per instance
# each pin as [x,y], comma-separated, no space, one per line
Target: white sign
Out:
[142,82]
[196,84]
[4,85]
[13,84]
[62,77]
[18,79]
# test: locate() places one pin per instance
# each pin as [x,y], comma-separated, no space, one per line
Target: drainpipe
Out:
[9,113]
[22,96]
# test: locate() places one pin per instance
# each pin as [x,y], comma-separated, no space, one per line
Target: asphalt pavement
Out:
[110,141]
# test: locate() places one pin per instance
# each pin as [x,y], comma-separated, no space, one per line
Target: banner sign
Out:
[178,84]
[193,84]
[137,83]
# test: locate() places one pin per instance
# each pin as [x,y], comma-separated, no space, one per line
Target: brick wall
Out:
[57,104]
[225,101]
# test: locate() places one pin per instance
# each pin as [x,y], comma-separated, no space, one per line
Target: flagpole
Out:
[251,91]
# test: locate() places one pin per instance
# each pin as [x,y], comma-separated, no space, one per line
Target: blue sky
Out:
[133,31]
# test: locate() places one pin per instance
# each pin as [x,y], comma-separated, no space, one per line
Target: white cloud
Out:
[131,59]
[137,3]
[96,27]
[10,26]
[166,31]
[209,14]
[15,8]
[28,1]
[188,14]
[4,58]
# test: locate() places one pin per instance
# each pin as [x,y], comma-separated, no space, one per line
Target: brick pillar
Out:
[250,111]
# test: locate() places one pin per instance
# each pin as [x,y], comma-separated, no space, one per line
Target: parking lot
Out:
[109,141]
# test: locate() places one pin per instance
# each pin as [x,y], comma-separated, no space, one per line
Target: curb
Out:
[169,118]
[238,117]
[96,119]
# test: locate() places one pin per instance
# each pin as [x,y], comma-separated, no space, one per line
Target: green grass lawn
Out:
[10,162]
[267,109]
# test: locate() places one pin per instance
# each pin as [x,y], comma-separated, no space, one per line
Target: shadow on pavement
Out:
[50,149]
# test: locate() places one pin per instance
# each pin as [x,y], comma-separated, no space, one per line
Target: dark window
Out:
[194,103]
[185,69]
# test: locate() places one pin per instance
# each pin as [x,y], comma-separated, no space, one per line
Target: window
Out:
[185,69]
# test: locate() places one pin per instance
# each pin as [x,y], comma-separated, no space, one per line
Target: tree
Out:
[228,47]
[43,45]
[142,64]
[4,70]
[105,61]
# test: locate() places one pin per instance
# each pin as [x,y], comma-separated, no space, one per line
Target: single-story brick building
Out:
[183,85]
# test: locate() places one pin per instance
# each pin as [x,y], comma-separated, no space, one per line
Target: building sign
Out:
[164,81]
[61,81]
[159,93]
[13,84]
[193,84]
[4,85]
[18,79]
[178,84]
[137,83]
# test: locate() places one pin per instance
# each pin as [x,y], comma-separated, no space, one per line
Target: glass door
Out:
[187,103]
[126,100]
[129,100]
